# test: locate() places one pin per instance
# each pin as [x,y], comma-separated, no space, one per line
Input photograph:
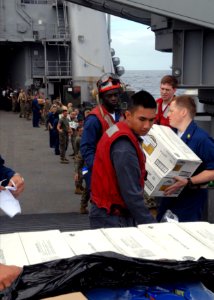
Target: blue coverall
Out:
[189,205]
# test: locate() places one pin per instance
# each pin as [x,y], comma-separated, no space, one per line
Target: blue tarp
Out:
[182,291]
[104,270]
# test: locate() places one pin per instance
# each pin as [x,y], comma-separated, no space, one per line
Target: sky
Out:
[134,44]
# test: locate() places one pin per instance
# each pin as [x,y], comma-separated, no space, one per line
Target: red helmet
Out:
[107,82]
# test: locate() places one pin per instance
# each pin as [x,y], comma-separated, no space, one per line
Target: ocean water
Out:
[148,80]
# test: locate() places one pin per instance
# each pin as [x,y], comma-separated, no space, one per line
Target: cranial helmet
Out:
[107,82]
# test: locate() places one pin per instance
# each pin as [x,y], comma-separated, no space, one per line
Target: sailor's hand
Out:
[7,275]
[180,182]
[18,181]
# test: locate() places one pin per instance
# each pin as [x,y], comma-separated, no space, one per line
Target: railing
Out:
[38,32]
[58,68]
[37,1]
[53,68]
[50,32]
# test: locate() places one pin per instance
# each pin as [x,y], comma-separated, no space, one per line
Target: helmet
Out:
[107,82]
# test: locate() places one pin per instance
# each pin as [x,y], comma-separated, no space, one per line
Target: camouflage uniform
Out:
[22,100]
[79,164]
[151,204]
[63,137]
[28,107]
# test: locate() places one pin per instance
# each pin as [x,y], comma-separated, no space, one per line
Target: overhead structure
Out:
[194,11]
[50,46]
[184,27]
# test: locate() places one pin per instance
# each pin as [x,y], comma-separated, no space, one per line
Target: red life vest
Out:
[104,187]
[106,119]
[161,115]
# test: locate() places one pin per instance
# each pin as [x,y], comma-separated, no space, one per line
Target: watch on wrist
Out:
[189,182]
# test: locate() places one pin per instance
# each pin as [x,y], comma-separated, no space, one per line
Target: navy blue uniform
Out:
[189,205]
[53,119]
[91,135]
[5,173]
[36,112]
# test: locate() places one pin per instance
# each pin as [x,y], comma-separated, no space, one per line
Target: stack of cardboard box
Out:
[167,156]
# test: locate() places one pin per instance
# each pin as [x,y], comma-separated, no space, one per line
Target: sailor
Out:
[36,109]
[189,205]
[64,133]
[100,118]
[8,177]
[22,98]
[168,87]
[118,174]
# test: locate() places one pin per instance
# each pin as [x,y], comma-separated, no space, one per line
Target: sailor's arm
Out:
[199,179]
[7,275]
[127,168]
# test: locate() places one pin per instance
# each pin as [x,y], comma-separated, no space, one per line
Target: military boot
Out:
[78,191]
[83,210]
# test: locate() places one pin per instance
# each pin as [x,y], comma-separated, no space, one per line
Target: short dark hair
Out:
[171,80]
[141,98]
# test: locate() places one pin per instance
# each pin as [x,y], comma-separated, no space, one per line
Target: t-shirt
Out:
[64,124]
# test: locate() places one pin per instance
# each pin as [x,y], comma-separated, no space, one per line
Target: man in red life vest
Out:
[100,118]
[167,90]
[118,174]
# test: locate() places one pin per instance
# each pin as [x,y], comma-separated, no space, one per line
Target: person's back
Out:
[36,109]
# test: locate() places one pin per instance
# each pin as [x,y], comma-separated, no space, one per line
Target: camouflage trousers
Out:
[63,144]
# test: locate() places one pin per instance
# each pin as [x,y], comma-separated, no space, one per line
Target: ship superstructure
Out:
[53,45]
[183,27]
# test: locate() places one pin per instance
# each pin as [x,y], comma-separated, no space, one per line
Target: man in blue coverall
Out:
[8,177]
[100,118]
[190,203]
[36,109]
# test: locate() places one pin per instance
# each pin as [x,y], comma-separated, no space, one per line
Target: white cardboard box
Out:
[168,153]
[166,156]
[12,251]
[88,241]
[176,241]
[132,242]
[42,246]
[202,231]
[156,184]
[71,296]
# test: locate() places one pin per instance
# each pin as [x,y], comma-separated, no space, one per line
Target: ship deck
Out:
[49,201]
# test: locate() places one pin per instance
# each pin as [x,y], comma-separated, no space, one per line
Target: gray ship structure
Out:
[55,46]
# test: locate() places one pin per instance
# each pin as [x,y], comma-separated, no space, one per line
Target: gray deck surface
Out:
[48,201]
